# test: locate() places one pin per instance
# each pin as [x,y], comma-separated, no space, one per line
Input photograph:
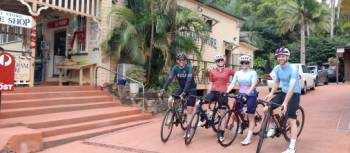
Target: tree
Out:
[144,29]
[294,14]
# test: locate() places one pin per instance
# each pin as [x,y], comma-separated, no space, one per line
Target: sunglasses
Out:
[181,59]
[245,63]
[219,60]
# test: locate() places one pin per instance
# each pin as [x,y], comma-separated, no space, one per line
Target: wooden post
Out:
[33,44]
[81,76]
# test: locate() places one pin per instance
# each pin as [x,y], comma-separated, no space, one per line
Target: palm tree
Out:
[144,29]
[298,14]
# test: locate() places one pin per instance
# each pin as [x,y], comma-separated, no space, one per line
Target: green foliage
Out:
[259,62]
[137,73]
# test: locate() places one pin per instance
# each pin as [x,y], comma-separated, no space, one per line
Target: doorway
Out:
[59,50]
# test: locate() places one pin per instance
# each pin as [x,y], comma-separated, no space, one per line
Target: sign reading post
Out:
[7,72]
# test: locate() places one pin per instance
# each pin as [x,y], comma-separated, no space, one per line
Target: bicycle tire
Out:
[165,137]
[227,116]
[286,136]
[181,114]
[215,120]
[263,131]
[190,126]
[258,118]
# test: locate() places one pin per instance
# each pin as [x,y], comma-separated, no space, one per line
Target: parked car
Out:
[332,73]
[320,74]
[307,80]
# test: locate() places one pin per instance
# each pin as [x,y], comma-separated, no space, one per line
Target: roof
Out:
[220,10]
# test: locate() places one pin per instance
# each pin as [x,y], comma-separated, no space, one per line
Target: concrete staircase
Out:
[65,114]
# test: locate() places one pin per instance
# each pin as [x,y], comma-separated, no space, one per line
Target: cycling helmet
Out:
[181,55]
[282,51]
[218,57]
[245,58]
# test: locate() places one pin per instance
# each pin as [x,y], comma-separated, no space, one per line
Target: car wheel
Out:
[304,90]
[314,85]
[326,82]
[316,82]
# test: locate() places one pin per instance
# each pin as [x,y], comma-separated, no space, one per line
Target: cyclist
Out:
[183,73]
[219,78]
[246,78]
[288,76]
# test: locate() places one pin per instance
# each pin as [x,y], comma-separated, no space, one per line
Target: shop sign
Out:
[22,71]
[15,19]
[58,23]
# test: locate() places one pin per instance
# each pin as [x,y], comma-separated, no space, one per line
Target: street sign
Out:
[7,71]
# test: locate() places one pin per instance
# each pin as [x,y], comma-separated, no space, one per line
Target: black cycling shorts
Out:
[217,96]
[293,104]
[191,101]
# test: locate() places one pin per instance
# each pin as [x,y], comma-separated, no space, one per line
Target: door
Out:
[228,57]
[59,50]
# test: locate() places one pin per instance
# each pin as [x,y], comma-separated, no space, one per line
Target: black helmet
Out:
[181,55]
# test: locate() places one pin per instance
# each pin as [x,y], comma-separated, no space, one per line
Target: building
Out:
[344,52]
[225,38]
[60,29]
[69,33]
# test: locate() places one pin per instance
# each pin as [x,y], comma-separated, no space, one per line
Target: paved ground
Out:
[327,130]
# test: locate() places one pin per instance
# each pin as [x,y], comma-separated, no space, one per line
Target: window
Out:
[210,24]
[81,37]
[6,38]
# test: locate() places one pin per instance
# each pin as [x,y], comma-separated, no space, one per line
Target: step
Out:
[13,104]
[70,137]
[59,130]
[51,94]
[52,88]
[11,113]
[92,116]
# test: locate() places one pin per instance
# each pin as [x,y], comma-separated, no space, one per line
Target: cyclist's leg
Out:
[292,107]
[251,106]
[191,101]
[223,107]
[278,99]
[178,91]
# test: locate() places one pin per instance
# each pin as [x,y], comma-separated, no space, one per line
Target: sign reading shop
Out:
[15,19]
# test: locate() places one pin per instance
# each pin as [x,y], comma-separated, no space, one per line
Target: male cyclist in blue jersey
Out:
[183,73]
[287,76]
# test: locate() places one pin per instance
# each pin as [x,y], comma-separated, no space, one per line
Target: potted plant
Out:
[137,73]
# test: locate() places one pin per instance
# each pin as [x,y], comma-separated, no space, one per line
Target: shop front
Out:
[59,40]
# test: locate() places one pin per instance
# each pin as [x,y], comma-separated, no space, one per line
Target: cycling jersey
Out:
[245,79]
[220,79]
[288,76]
[184,77]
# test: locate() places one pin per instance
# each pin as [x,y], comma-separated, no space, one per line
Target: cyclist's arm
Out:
[233,83]
[276,83]
[169,79]
[292,82]
[188,80]
[254,83]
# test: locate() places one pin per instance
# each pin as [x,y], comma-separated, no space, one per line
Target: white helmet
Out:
[218,57]
[245,58]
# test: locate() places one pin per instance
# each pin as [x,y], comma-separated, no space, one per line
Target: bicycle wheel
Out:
[181,114]
[259,112]
[191,128]
[216,119]
[167,125]
[263,131]
[300,124]
[229,125]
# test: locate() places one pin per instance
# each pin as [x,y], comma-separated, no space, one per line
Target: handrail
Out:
[116,73]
